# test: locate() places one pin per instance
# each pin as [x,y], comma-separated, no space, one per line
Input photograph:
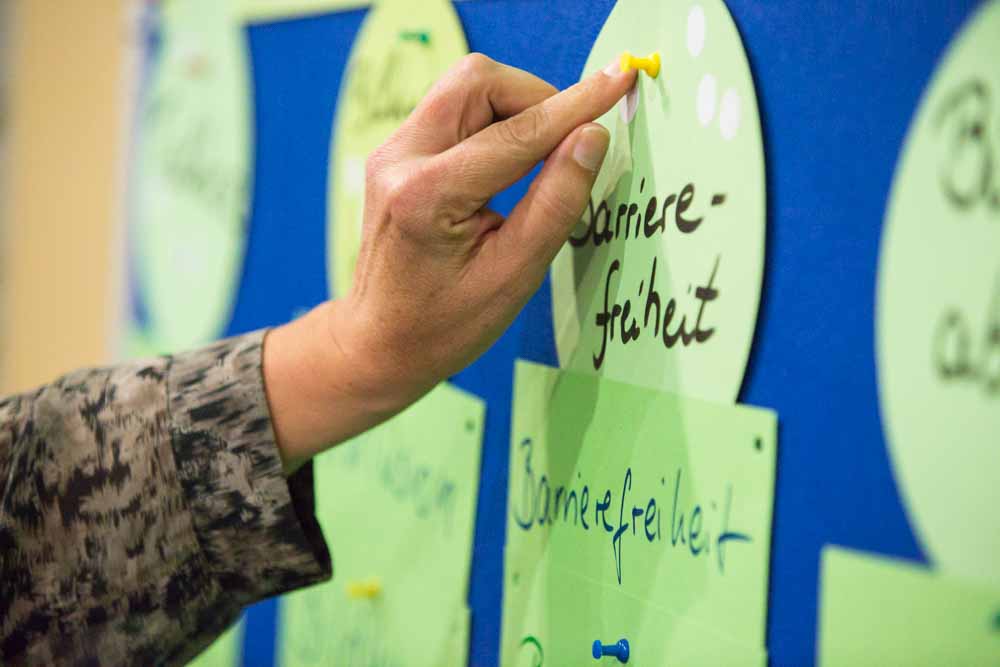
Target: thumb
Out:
[542,221]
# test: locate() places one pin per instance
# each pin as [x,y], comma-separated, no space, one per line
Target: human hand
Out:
[439,276]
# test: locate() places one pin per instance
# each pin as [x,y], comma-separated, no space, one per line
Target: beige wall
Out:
[60,202]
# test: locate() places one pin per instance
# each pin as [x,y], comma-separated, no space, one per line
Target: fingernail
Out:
[614,68]
[591,147]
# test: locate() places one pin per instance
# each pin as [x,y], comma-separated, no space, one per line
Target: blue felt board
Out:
[837,86]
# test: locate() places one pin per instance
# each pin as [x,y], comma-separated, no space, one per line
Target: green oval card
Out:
[938,310]
[660,282]
[398,56]
[190,199]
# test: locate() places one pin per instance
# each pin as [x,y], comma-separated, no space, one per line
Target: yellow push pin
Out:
[364,590]
[650,64]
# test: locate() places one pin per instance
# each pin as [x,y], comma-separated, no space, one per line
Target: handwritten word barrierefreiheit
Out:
[699,529]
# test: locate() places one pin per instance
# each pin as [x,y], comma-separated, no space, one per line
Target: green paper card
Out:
[397,506]
[399,54]
[225,651]
[189,197]
[568,613]
[457,646]
[660,281]
[938,309]
[884,612]
[623,493]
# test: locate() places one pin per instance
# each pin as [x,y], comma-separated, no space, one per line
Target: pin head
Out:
[650,64]
[364,590]
[619,649]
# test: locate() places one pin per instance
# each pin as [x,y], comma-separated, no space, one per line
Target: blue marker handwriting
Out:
[409,480]
[618,516]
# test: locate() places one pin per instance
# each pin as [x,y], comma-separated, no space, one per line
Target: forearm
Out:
[142,506]
[326,383]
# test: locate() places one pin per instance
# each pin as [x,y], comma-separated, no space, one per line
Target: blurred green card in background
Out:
[189,197]
[397,506]
[883,612]
[225,651]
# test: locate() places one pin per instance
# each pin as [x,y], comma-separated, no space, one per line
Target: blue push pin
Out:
[619,650]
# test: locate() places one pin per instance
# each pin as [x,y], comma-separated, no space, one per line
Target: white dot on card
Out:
[696,30]
[354,172]
[629,104]
[729,114]
[706,99]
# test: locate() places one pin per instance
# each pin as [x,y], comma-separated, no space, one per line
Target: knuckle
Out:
[434,170]
[375,165]
[448,189]
[526,129]
[406,198]
[438,110]
[442,106]
[475,66]
[395,192]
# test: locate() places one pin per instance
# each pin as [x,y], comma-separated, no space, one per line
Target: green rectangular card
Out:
[397,506]
[566,613]
[882,611]
[633,510]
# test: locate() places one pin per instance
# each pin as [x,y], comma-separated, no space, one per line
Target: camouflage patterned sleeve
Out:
[142,506]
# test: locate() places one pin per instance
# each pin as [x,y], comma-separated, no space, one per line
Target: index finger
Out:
[496,157]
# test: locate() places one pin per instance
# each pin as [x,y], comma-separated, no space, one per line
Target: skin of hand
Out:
[440,276]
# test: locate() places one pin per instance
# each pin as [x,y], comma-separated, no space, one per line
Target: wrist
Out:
[360,365]
[324,382]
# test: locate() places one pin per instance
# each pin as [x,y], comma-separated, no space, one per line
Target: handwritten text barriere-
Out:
[606,224]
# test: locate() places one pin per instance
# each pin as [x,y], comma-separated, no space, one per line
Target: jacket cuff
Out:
[257,528]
